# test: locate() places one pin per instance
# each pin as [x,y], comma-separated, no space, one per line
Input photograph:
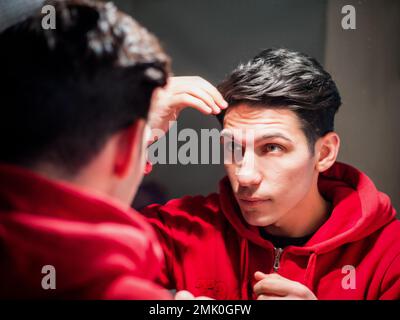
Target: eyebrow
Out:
[271,135]
[274,135]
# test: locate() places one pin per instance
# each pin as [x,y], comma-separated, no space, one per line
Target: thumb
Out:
[258,275]
[184,295]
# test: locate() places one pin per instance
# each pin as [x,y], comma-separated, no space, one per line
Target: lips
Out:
[251,199]
[252,202]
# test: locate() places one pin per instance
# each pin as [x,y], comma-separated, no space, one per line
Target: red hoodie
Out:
[210,250]
[98,250]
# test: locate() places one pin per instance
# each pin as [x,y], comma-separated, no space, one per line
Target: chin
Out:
[257,219]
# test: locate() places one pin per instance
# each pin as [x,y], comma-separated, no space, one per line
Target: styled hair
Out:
[65,91]
[279,78]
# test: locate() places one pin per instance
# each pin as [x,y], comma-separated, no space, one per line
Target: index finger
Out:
[213,92]
[274,286]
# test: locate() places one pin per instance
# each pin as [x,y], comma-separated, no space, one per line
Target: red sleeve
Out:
[157,220]
[132,288]
[390,286]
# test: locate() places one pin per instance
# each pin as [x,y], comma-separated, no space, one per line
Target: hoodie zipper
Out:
[277,258]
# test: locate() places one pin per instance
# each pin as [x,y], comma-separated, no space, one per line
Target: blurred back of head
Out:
[65,91]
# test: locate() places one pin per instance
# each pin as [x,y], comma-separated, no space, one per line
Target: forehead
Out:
[260,119]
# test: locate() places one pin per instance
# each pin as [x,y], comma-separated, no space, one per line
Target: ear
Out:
[128,146]
[327,149]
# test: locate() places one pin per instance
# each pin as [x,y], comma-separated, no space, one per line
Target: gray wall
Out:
[210,37]
[366,66]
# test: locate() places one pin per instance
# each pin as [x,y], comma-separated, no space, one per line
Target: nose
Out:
[247,173]
[248,178]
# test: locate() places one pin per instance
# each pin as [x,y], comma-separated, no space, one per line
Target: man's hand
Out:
[275,287]
[186,295]
[180,93]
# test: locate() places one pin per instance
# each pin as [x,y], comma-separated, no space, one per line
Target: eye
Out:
[271,147]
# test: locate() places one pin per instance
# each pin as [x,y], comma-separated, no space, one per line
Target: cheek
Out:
[290,177]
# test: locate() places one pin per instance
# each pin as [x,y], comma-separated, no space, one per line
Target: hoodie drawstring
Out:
[309,276]
[244,268]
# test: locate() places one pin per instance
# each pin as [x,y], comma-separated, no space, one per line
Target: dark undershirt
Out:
[282,242]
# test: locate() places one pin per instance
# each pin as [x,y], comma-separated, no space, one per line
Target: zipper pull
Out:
[277,253]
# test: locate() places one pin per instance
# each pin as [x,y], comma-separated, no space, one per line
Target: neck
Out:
[305,219]
[85,181]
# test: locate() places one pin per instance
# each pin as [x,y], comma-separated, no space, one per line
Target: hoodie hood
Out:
[359,209]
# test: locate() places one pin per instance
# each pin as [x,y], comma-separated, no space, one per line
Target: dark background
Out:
[210,37]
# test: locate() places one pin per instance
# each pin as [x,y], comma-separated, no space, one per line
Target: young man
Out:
[73,135]
[289,222]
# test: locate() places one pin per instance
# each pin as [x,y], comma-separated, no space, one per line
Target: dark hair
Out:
[65,91]
[279,78]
